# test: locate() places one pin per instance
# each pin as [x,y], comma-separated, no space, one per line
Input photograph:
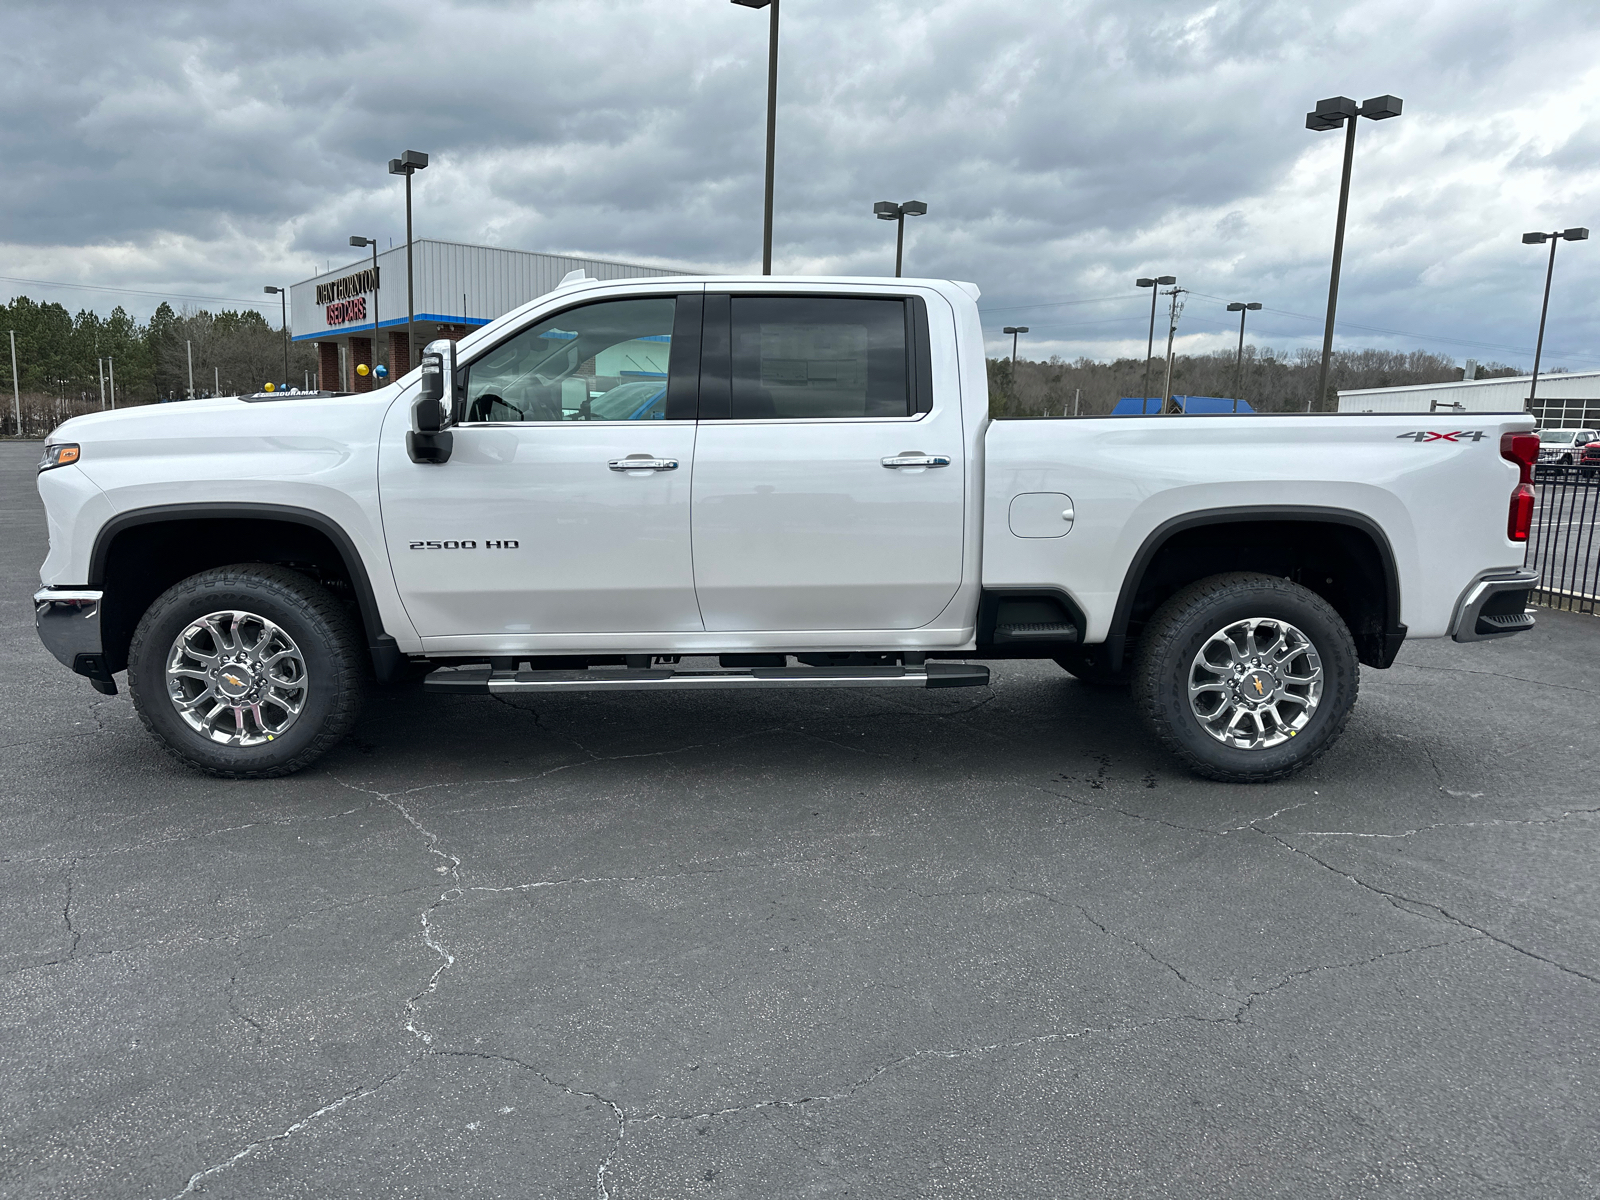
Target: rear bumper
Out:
[68,620]
[1496,607]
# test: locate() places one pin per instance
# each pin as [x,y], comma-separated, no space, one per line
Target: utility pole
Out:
[111,366]
[216,381]
[16,394]
[1172,329]
[100,365]
[188,350]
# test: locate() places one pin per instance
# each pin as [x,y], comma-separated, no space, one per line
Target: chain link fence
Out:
[1562,546]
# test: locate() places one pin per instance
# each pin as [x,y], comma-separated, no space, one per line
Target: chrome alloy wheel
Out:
[1255,683]
[236,678]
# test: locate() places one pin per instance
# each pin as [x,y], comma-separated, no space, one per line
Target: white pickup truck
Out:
[795,476]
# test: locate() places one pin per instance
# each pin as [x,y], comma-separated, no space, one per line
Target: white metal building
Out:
[1565,400]
[458,288]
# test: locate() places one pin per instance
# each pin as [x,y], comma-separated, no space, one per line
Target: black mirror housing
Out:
[434,410]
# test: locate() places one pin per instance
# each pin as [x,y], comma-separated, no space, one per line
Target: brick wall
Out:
[328,367]
[360,352]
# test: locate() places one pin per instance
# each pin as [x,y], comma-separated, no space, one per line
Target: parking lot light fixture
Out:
[283,303]
[1330,114]
[1014,330]
[1150,346]
[1575,234]
[888,210]
[408,164]
[1238,369]
[772,122]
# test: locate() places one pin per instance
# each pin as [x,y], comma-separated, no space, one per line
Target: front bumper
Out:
[1496,607]
[68,620]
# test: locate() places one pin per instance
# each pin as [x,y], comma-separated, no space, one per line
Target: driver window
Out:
[601,362]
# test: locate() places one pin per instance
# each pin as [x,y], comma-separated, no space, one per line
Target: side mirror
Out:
[434,410]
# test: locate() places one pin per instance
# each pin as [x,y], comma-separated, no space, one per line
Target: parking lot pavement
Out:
[955,943]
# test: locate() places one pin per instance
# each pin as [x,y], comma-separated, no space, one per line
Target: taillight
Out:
[1522,449]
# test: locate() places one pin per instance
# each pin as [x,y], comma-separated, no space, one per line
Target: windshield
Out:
[1556,437]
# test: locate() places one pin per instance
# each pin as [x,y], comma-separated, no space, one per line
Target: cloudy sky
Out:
[202,150]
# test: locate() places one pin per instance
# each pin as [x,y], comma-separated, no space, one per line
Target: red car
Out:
[1589,460]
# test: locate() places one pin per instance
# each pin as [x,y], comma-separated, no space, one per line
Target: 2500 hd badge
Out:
[468,544]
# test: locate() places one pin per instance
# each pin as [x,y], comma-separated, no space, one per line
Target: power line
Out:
[1425,337]
[95,287]
[1059,303]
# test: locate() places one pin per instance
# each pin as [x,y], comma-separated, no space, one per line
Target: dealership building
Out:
[355,310]
[1567,400]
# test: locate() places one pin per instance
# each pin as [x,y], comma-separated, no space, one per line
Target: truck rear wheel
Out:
[246,672]
[1246,678]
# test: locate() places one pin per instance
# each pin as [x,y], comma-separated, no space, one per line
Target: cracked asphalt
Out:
[828,944]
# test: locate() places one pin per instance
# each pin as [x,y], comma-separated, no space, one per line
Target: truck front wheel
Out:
[1246,677]
[246,672]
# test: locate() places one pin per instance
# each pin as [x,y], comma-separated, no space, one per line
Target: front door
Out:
[828,482]
[537,525]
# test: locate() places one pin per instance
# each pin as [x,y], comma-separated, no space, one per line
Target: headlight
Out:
[59,454]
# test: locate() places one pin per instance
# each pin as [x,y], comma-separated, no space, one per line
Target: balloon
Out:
[380,371]
[361,369]
[269,388]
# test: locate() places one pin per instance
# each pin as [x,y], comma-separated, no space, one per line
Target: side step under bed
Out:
[482,681]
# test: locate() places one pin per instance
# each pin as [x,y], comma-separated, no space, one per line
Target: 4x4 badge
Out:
[1459,435]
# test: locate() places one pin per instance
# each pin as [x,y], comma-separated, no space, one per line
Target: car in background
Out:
[1589,462]
[1560,447]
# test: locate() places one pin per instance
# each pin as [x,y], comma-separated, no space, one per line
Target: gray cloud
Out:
[1062,149]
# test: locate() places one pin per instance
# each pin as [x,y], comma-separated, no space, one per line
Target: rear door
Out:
[828,480]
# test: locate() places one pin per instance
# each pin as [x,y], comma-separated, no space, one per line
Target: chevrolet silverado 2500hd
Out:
[796,476]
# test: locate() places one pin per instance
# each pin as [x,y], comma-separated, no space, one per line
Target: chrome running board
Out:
[482,681]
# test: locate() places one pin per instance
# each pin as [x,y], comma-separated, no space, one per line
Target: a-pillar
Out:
[399,353]
[360,352]
[328,366]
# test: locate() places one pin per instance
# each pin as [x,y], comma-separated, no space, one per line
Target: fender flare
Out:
[1394,633]
[386,656]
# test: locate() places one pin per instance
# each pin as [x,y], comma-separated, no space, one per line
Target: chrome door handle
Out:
[917,460]
[643,463]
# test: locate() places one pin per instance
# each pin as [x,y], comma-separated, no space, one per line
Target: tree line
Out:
[58,354]
[1271,381]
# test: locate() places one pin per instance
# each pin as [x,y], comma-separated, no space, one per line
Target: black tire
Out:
[1186,622]
[323,632]
[1088,667]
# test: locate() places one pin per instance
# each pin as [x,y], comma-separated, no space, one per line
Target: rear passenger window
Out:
[795,357]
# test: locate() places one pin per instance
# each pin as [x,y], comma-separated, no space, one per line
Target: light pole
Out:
[1172,330]
[1330,114]
[16,393]
[1576,234]
[1238,368]
[373,242]
[100,365]
[1150,346]
[772,121]
[1013,330]
[283,303]
[888,210]
[408,164]
[111,381]
[188,353]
